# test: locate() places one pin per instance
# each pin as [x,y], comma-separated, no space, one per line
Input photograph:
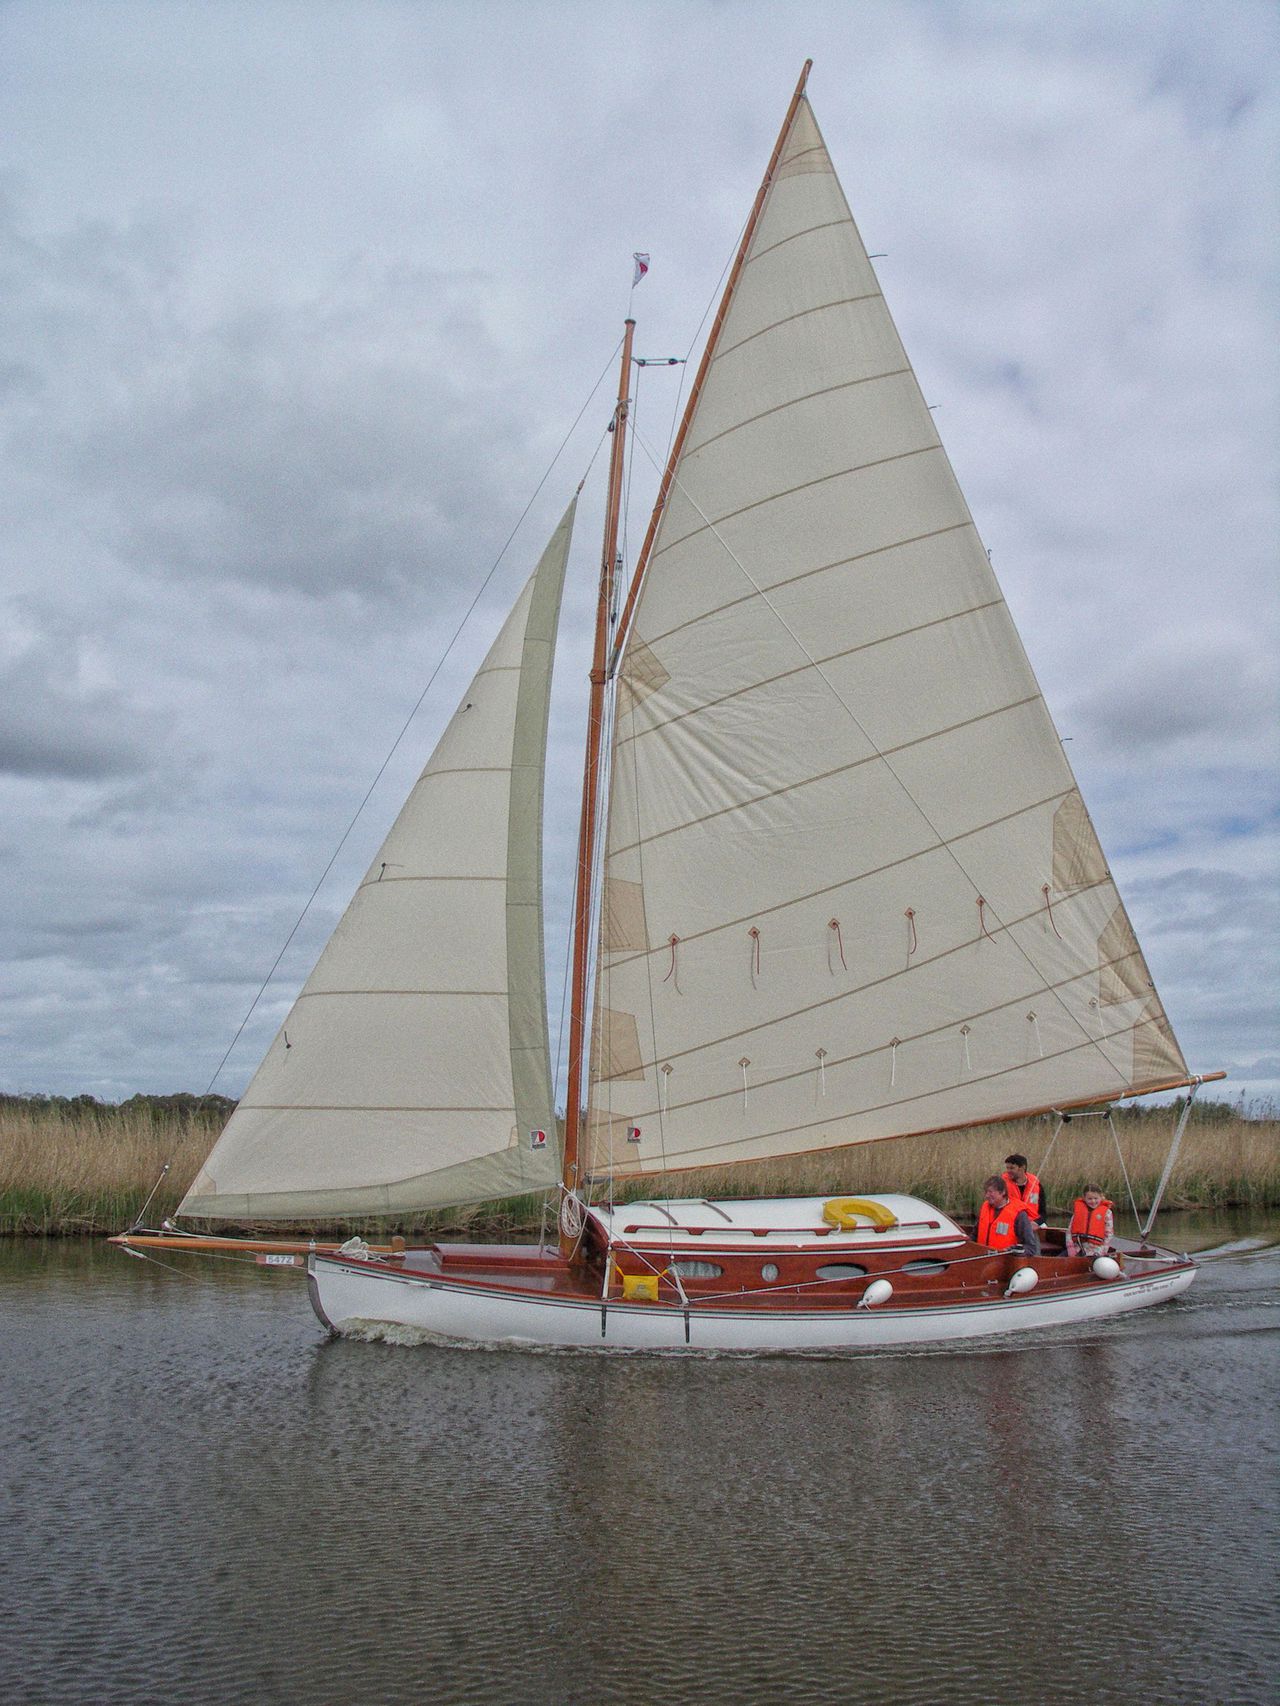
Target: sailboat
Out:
[835,884]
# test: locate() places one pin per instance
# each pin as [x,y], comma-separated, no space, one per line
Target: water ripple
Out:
[205,1500]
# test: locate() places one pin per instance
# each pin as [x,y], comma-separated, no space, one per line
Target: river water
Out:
[204,1500]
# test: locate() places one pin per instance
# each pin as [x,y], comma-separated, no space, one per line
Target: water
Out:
[204,1500]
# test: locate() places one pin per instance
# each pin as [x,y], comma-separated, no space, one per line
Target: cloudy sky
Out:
[300,302]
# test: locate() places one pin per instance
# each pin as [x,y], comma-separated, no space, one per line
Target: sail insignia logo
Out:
[537,1140]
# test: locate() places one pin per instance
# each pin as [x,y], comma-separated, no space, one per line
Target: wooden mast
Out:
[591,786]
[605,661]
[708,353]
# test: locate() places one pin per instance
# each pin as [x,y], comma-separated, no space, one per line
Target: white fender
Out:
[1106,1267]
[1022,1280]
[879,1291]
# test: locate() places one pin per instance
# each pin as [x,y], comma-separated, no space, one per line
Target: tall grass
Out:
[86,1167]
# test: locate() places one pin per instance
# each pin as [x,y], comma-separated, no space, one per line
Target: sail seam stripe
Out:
[827,225]
[474,770]
[887,757]
[380,1108]
[802,314]
[429,877]
[917,1037]
[808,574]
[893,976]
[880,1107]
[710,525]
[315,994]
[832,657]
[865,876]
[794,402]
[876,757]
[800,153]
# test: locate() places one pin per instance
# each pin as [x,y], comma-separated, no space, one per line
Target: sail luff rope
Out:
[1093,1042]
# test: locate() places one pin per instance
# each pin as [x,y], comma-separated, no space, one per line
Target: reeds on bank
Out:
[84,1167]
[79,1166]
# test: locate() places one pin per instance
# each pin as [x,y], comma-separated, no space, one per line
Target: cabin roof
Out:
[769,1220]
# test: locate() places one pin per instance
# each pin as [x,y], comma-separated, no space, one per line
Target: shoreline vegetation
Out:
[76,1167]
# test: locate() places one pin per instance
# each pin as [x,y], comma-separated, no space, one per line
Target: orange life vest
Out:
[1030,1193]
[995,1225]
[1089,1225]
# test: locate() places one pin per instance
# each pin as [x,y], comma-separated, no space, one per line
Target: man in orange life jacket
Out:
[1003,1222]
[1026,1186]
[1092,1224]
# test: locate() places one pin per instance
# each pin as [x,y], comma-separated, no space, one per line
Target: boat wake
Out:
[1238,1248]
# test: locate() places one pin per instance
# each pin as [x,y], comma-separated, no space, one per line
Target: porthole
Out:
[926,1265]
[769,1271]
[842,1270]
[697,1270]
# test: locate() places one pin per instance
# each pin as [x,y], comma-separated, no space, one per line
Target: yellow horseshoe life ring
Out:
[843,1212]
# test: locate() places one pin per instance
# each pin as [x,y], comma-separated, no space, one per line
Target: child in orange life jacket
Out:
[1093,1226]
[1003,1221]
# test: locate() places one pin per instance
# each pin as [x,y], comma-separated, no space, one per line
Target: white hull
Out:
[362,1298]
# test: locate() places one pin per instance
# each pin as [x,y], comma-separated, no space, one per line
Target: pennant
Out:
[642,267]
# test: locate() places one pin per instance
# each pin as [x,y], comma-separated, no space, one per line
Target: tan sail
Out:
[414,1066]
[850,888]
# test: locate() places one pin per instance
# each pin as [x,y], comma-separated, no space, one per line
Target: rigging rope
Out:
[1124,1171]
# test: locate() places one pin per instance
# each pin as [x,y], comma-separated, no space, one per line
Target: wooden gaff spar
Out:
[845,889]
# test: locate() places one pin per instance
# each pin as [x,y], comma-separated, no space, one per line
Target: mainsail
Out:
[413,1070]
[850,888]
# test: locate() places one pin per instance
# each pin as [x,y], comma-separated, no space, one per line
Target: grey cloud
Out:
[49,728]
[1154,700]
[318,444]
[292,329]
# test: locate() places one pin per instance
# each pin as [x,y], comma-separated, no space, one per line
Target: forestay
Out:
[414,1066]
[850,887]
